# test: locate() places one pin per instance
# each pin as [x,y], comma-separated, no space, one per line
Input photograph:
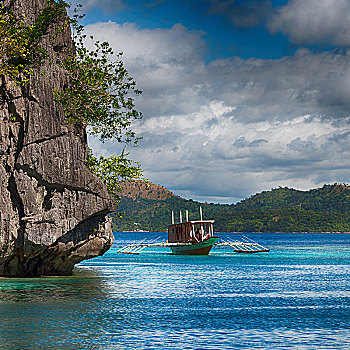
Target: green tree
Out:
[113,171]
[101,97]
[100,92]
[20,48]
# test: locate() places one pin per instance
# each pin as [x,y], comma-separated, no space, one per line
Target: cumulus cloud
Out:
[243,142]
[165,62]
[231,159]
[286,87]
[248,13]
[225,130]
[308,22]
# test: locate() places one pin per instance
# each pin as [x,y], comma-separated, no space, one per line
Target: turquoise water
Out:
[295,297]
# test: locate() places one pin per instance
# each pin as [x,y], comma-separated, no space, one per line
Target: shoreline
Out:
[241,232]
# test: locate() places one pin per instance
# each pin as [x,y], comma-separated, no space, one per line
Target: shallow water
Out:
[295,297]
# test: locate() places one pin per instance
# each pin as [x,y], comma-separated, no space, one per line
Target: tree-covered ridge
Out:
[330,197]
[326,209]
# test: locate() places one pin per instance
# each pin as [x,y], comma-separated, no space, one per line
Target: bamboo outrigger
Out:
[194,238]
[248,246]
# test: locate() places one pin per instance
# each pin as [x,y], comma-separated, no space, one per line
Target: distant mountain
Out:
[147,190]
[326,209]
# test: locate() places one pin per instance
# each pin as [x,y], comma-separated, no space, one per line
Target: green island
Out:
[325,209]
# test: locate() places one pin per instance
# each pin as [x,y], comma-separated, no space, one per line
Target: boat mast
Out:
[172,217]
[201,215]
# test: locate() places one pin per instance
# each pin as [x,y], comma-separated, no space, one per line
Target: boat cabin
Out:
[190,231]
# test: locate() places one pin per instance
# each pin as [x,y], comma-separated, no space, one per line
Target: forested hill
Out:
[329,197]
[326,209]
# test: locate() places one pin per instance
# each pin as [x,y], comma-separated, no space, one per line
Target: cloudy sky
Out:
[239,96]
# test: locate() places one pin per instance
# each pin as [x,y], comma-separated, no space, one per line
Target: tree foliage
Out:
[99,97]
[114,170]
[100,91]
[20,49]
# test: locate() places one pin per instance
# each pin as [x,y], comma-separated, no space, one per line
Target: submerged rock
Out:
[52,208]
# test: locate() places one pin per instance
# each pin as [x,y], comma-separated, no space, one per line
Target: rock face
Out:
[52,209]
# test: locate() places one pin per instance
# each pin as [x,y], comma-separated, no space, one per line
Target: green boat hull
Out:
[202,248]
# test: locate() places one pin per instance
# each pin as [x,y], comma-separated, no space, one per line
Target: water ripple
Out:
[295,297]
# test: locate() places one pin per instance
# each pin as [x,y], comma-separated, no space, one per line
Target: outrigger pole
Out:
[137,247]
[247,246]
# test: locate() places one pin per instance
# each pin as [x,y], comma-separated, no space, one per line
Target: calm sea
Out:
[295,297]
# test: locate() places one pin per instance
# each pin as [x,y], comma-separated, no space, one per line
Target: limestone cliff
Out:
[52,209]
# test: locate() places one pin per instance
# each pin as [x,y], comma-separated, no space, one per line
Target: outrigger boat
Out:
[194,238]
[191,237]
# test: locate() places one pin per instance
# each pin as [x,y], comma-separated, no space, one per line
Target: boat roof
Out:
[193,222]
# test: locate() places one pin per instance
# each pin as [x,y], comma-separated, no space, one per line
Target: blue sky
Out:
[239,96]
[223,37]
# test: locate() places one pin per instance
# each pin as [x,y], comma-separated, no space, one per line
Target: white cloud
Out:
[163,61]
[314,22]
[226,130]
